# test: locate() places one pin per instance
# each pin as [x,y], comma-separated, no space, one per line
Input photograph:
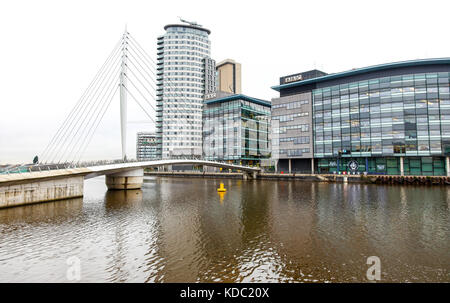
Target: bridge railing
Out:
[24,168]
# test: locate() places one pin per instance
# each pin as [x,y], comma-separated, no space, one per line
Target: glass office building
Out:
[236,129]
[387,119]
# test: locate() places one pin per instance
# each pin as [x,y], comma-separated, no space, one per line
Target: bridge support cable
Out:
[80,155]
[80,133]
[127,74]
[141,62]
[81,120]
[141,55]
[98,111]
[142,95]
[78,104]
[136,100]
[74,110]
[86,121]
[82,111]
[151,82]
[145,59]
[129,68]
[142,84]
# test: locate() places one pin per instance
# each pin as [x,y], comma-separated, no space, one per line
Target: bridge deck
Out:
[94,171]
[17,178]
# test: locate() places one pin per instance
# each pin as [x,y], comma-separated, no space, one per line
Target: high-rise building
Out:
[182,63]
[229,76]
[146,146]
[210,75]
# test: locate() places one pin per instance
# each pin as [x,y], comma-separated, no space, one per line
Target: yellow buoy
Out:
[221,188]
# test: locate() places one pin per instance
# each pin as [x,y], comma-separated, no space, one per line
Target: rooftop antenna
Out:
[193,23]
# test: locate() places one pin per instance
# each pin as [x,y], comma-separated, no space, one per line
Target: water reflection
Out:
[221,196]
[41,212]
[183,230]
[119,199]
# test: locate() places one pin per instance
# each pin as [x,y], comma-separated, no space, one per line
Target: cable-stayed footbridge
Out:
[60,172]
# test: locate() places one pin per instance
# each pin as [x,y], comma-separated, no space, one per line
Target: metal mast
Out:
[123,95]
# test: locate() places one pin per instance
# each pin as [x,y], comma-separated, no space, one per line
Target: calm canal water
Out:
[182,230]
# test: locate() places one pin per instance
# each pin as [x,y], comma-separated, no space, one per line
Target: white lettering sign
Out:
[210,96]
[293,78]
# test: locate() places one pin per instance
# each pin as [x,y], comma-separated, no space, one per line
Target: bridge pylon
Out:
[123,95]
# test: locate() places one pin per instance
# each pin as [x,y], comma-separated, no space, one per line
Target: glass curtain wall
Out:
[237,131]
[407,115]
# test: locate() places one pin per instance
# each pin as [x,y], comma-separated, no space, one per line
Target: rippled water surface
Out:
[182,230]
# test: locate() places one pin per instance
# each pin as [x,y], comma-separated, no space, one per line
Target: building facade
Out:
[291,125]
[146,146]
[229,77]
[210,75]
[181,80]
[236,129]
[386,119]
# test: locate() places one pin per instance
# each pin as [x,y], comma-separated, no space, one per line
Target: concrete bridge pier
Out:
[130,179]
[249,175]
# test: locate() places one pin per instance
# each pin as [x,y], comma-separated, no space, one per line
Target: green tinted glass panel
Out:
[427,167]
[391,163]
[439,172]
[428,160]
[393,171]
[415,171]
[414,163]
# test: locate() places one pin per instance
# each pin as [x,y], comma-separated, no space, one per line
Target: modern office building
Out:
[236,129]
[181,85]
[146,146]
[386,119]
[292,144]
[229,76]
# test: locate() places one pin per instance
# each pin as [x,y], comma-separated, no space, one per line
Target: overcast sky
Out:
[51,50]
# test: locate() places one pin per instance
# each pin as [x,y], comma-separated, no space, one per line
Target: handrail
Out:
[67,165]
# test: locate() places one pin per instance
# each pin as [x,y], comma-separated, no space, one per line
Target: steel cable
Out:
[79,102]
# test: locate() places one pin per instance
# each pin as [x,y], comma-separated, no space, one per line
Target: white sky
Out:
[51,50]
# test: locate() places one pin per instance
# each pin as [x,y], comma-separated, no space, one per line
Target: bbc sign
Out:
[292,78]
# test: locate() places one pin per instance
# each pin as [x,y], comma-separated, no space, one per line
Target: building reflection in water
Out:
[120,203]
[181,230]
[48,212]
